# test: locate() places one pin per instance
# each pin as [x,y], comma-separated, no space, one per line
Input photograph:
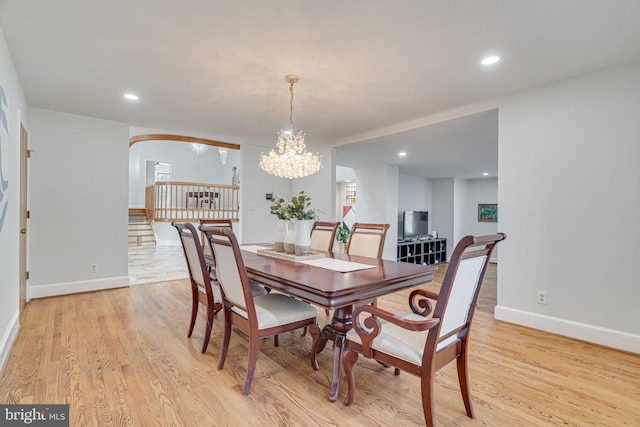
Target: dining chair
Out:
[260,316]
[367,240]
[256,288]
[204,290]
[216,223]
[323,235]
[419,345]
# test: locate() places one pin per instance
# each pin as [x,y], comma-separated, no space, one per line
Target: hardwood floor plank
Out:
[121,357]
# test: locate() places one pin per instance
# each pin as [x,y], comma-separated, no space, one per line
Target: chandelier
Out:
[292,160]
[198,148]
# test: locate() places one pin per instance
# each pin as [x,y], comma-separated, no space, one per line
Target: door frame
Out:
[24,216]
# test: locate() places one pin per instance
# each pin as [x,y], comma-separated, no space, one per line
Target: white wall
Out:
[460,197]
[414,194]
[9,165]
[258,225]
[343,174]
[570,205]
[341,196]
[443,204]
[391,213]
[320,186]
[377,201]
[479,191]
[78,191]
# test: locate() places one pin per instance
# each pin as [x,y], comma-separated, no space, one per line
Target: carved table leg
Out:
[326,335]
[341,323]
[337,364]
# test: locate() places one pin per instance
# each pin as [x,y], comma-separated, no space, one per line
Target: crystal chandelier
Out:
[292,160]
[198,148]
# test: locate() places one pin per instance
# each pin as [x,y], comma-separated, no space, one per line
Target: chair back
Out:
[194,255]
[323,234]
[230,270]
[460,289]
[367,240]
[206,248]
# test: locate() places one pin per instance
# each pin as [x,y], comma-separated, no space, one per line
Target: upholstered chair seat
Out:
[397,341]
[278,309]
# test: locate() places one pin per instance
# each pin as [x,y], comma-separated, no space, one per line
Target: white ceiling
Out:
[217,68]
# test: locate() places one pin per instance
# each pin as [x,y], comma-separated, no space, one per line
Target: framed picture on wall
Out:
[488,212]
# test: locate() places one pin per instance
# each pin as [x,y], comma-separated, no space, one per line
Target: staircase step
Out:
[140,226]
[141,233]
[138,211]
[140,230]
[141,237]
[141,240]
[142,243]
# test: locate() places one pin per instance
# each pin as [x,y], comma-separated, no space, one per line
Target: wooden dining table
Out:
[335,290]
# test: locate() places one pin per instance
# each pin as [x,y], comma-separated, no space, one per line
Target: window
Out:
[350,194]
[162,176]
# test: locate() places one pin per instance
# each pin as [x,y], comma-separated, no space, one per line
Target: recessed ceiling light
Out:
[485,173]
[131,96]
[490,60]
[402,153]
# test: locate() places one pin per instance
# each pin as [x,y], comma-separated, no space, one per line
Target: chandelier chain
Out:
[291,105]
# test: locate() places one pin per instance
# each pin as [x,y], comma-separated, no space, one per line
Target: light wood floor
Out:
[121,357]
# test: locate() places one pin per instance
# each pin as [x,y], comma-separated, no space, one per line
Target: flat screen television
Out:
[415,225]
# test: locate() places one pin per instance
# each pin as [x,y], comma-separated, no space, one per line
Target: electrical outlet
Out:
[93,268]
[542,297]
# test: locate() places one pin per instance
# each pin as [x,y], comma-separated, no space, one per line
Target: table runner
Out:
[338,265]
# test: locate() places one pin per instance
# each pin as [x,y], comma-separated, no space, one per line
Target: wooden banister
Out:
[183,201]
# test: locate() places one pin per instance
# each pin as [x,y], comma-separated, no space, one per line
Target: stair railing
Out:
[176,201]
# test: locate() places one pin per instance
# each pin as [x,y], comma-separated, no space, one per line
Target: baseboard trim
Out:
[50,290]
[8,339]
[580,331]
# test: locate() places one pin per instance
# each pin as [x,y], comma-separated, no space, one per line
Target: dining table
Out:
[335,281]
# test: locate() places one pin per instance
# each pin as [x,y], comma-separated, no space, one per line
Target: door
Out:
[24,154]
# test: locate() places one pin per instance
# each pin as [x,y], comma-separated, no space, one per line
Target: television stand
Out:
[427,251]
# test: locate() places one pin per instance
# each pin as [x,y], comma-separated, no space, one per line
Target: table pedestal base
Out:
[336,331]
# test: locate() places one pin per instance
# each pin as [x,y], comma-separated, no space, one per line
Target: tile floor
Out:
[149,264]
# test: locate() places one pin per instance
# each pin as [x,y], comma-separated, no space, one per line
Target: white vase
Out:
[290,240]
[303,237]
[281,232]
